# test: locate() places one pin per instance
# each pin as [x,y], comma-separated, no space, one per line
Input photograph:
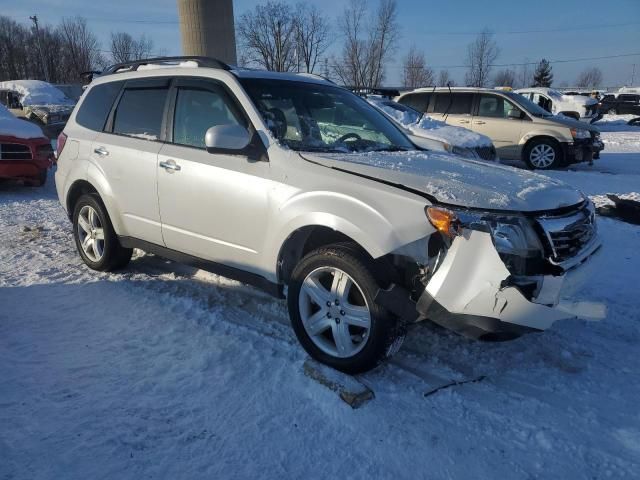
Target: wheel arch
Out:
[98,185]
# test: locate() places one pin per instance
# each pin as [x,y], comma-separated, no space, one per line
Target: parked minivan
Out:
[519,129]
[293,184]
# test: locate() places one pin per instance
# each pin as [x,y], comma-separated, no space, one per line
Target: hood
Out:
[458,181]
[580,99]
[571,123]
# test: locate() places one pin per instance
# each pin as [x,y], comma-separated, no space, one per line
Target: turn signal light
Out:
[445,221]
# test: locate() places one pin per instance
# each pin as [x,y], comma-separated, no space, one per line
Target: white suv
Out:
[295,185]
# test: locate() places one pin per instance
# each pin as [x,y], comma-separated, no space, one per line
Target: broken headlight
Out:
[513,235]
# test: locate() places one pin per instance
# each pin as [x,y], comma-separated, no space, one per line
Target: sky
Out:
[574,29]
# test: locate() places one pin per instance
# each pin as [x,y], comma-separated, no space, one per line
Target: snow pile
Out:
[14,127]
[434,129]
[36,92]
[617,123]
[604,201]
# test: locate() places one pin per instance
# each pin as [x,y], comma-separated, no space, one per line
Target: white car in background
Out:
[553,101]
[432,134]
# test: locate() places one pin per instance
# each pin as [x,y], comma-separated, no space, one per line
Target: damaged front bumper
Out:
[473,293]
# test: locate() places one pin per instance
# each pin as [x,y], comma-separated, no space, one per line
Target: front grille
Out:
[567,235]
[14,151]
[486,153]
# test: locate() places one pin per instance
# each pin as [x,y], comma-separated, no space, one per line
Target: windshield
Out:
[528,105]
[320,118]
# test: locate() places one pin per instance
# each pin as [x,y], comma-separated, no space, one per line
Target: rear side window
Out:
[453,103]
[139,113]
[95,108]
[417,101]
[628,98]
[197,110]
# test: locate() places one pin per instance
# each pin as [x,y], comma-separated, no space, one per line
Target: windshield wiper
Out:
[388,149]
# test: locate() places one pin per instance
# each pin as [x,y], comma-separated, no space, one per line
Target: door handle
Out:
[479,122]
[101,151]
[463,121]
[170,166]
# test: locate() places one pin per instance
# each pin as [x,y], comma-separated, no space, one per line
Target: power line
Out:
[568,60]
[545,30]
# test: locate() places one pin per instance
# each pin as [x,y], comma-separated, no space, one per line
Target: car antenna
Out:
[446,112]
[425,112]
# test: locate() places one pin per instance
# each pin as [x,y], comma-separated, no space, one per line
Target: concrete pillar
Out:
[207,29]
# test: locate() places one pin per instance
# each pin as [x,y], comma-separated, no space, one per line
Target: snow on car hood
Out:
[458,181]
[455,136]
[36,92]
[427,127]
[14,127]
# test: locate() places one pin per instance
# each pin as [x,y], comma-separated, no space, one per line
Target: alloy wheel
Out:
[542,156]
[90,233]
[334,312]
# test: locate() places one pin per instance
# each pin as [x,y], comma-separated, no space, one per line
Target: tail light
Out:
[62,140]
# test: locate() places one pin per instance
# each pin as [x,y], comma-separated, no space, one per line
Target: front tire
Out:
[612,111]
[95,238]
[543,154]
[333,313]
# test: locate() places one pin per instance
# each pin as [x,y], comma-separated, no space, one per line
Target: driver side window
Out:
[196,111]
[495,106]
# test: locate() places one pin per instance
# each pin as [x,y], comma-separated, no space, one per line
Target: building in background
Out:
[207,29]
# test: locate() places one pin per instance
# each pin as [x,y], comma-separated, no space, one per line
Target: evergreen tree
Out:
[543,77]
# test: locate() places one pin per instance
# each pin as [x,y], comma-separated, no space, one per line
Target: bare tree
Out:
[80,47]
[268,36]
[525,76]
[368,43]
[589,78]
[14,51]
[505,78]
[481,54]
[416,72]
[312,35]
[125,48]
[444,79]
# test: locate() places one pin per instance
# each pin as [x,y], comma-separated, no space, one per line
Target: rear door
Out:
[453,108]
[492,119]
[213,206]
[127,154]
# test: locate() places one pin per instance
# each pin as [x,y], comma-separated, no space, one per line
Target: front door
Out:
[493,120]
[213,206]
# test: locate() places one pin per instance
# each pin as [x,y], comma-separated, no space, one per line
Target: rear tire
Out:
[543,154]
[95,238]
[333,313]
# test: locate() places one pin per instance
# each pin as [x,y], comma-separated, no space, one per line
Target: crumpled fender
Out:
[469,282]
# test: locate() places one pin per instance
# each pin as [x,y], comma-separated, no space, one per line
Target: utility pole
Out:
[45,67]
[633,75]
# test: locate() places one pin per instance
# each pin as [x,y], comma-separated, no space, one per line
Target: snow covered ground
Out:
[163,371]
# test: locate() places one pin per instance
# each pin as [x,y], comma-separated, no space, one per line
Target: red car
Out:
[25,153]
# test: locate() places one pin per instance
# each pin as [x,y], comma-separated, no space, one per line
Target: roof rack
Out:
[135,64]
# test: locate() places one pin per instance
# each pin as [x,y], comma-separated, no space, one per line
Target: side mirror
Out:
[514,114]
[226,139]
